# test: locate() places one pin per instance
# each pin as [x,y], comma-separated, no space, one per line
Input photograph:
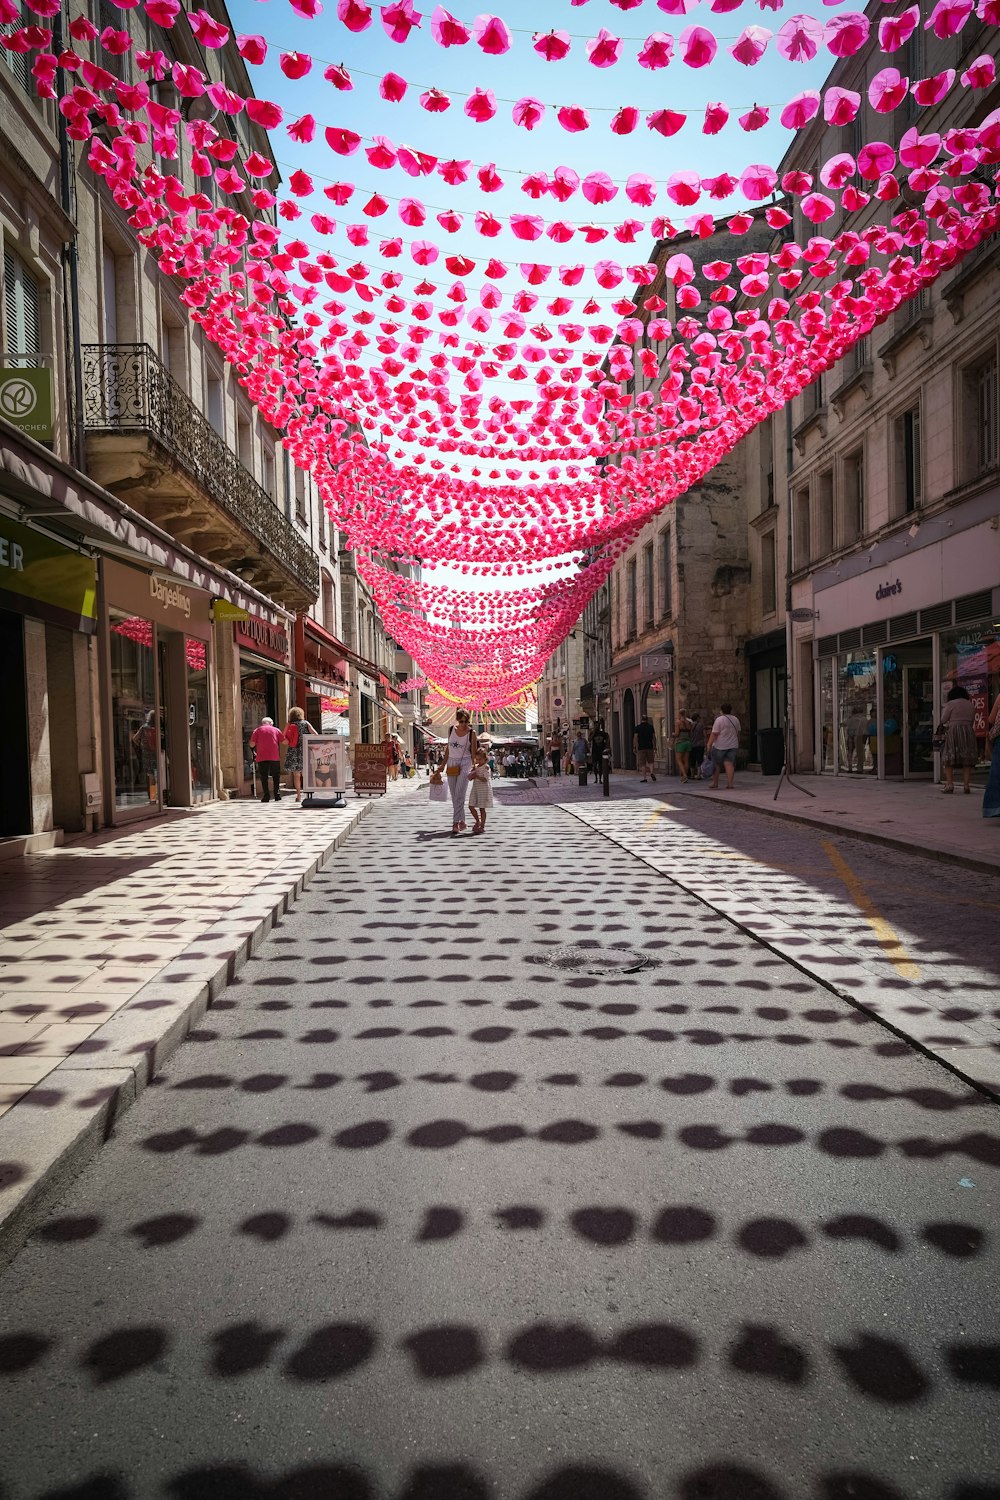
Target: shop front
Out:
[158,692]
[48,611]
[264,657]
[642,688]
[323,689]
[881,684]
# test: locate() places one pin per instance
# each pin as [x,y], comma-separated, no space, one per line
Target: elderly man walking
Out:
[266,742]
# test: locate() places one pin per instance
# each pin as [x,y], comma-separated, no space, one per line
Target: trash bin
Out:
[772,751]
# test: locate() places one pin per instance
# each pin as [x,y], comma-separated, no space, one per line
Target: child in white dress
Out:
[480,791]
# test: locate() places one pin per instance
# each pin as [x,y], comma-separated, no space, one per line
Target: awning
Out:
[325,657]
[56,500]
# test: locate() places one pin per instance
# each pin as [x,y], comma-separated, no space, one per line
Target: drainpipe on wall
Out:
[70,260]
[790,702]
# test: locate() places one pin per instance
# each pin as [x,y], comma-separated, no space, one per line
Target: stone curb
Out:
[50,1135]
[860,831]
[964,1049]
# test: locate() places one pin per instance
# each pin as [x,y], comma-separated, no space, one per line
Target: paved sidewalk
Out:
[904,815]
[111,948]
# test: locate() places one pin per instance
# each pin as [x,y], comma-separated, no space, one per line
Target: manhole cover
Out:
[577,959]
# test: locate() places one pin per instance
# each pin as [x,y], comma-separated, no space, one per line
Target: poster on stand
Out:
[369,770]
[324,764]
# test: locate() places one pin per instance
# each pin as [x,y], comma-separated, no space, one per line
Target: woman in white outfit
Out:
[461,749]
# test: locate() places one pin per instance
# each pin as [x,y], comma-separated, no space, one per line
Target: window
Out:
[767,462]
[631,620]
[824,514]
[215,403]
[244,440]
[22,324]
[329,604]
[812,396]
[173,350]
[267,475]
[109,15]
[17,62]
[980,416]
[853,512]
[648,596]
[801,538]
[861,355]
[300,496]
[768,574]
[906,479]
[666,576]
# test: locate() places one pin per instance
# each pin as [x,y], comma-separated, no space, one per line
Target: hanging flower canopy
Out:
[491,430]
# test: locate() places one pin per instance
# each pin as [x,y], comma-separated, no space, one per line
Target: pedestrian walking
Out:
[266,743]
[392,756]
[991,796]
[723,743]
[556,752]
[644,748]
[580,754]
[696,733]
[682,746]
[297,726]
[960,749]
[600,745]
[462,747]
[480,790]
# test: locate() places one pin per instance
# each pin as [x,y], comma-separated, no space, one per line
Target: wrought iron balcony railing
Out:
[127,389]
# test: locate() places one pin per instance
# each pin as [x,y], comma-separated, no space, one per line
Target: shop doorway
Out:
[628,729]
[908,710]
[15,763]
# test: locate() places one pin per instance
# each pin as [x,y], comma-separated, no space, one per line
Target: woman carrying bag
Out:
[461,749]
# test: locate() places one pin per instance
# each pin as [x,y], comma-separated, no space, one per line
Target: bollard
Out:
[582,775]
[607,774]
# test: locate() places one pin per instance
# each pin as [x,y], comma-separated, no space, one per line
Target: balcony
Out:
[149,444]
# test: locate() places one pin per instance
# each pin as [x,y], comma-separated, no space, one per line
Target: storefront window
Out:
[654,705]
[257,699]
[971,658]
[826,714]
[856,711]
[893,709]
[134,716]
[199,723]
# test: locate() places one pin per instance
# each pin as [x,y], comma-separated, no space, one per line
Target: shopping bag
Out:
[707,768]
[438,792]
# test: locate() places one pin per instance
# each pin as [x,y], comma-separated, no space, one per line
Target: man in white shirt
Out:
[723,742]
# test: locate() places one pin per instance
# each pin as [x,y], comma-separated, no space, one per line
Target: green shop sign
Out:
[26,402]
[40,577]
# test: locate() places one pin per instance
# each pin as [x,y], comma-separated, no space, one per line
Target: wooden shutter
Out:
[22,326]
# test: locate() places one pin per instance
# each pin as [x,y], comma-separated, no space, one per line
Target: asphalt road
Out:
[417,1214]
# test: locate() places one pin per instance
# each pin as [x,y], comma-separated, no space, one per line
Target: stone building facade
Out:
[874,498]
[181,577]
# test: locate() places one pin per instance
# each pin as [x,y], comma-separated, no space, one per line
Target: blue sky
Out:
[520,72]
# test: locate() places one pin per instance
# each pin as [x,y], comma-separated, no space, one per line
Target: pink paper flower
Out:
[656,50]
[666,122]
[800,110]
[434,101]
[840,106]
[446,30]
[353,14]
[392,88]
[800,38]
[751,45]
[573,117]
[887,89]
[699,46]
[528,113]
[716,117]
[552,45]
[492,34]
[603,50]
[847,33]
[624,120]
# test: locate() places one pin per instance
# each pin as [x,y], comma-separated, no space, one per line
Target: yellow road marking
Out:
[665,808]
[886,935]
